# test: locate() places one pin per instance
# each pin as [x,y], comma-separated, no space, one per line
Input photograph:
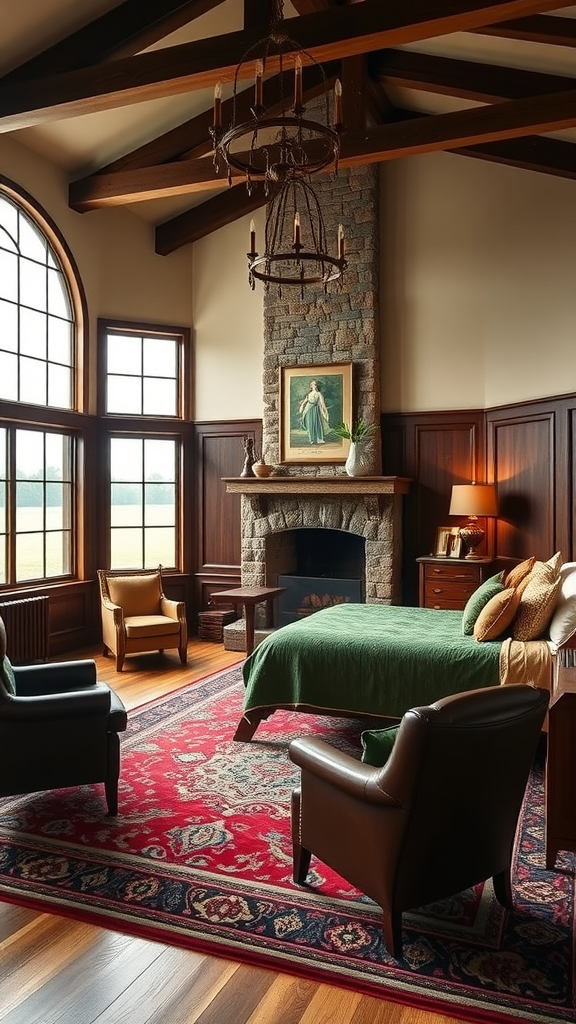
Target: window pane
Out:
[58,300]
[124,354]
[160,357]
[126,509]
[126,458]
[159,459]
[33,331]
[57,554]
[33,375]
[160,397]
[124,395]
[33,285]
[54,506]
[32,242]
[29,506]
[56,447]
[8,377]
[8,217]
[3,439]
[160,547]
[59,341]
[126,549]
[8,326]
[8,276]
[59,387]
[29,557]
[160,504]
[2,509]
[29,453]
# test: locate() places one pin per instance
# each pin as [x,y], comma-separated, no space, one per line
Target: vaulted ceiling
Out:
[120,94]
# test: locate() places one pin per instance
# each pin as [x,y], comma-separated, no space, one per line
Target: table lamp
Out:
[473,500]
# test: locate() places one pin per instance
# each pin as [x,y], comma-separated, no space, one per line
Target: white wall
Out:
[478,284]
[228,325]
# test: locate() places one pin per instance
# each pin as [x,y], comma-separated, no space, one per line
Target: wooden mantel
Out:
[318,485]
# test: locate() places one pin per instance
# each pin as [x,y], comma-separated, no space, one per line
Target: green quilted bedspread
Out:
[368,658]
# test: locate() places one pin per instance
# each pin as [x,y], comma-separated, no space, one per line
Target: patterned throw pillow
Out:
[377,745]
[537,602]
[8,677]
[519,572]
[497,615]
[476,602]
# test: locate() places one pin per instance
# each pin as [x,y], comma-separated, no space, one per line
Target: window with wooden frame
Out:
[142,379]
[41,392]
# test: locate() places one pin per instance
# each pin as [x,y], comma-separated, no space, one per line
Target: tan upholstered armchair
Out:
[438,817]
[138,617]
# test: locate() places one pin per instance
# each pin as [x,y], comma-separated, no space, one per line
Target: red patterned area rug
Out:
[200,856]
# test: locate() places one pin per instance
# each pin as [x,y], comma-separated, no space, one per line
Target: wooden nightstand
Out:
[448,582]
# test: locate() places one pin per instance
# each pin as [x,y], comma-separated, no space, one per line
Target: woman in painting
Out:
[314,414]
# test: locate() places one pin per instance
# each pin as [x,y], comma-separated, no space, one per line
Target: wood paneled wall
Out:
[218,453]
[527,449]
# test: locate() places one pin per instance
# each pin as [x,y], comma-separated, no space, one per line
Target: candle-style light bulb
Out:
[296,229]
[340,242]
[337,101]
[298,84]
[252,236]
[258,83]
[218,104]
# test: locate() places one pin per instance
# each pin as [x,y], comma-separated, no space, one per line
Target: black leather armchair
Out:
[439,817]
[59,729]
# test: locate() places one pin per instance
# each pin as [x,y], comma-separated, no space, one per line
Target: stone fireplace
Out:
[315,329]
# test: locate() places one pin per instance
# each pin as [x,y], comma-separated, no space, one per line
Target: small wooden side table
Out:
[247,598]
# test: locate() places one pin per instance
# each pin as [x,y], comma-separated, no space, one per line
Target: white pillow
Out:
[563,621]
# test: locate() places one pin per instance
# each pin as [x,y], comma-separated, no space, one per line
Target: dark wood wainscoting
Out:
[218,453]
[528,449]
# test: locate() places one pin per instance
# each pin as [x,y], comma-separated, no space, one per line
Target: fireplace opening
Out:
[317,568]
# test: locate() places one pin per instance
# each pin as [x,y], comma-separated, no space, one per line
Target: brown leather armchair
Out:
[60,728]
[138,617]
[439,817]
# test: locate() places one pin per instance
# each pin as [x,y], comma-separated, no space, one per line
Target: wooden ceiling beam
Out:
[510,119]
[535,29]
[486,83]
[121,32]
[209,216]
[192,139]
[338,33]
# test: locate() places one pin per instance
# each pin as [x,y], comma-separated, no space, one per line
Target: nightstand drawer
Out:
[447,595]
[445,571]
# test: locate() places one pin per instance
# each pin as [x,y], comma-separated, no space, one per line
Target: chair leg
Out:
[113,774]
[392,928]
[300,855]
[183,652]
[119,662]
[503,888]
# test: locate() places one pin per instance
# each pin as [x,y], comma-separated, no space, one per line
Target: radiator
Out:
[27,629]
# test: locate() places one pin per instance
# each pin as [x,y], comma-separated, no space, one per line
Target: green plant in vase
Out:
[361,435]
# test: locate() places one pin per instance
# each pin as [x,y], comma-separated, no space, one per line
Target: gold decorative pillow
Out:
[537,602]
[497,615]
[136,595]
[519,572]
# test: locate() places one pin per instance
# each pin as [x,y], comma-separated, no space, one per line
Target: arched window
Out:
[41,318]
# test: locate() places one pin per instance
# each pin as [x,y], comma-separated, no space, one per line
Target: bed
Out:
[375,662]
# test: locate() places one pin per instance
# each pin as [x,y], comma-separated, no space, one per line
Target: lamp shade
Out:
[473,500]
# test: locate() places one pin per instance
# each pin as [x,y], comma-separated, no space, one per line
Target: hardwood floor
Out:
[54,970]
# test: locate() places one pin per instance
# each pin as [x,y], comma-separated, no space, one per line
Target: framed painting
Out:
[448,542]
[314,400]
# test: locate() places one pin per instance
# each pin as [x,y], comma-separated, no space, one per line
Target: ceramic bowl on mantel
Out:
[262,470]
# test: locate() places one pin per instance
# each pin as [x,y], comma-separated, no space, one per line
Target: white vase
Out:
[358,462]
